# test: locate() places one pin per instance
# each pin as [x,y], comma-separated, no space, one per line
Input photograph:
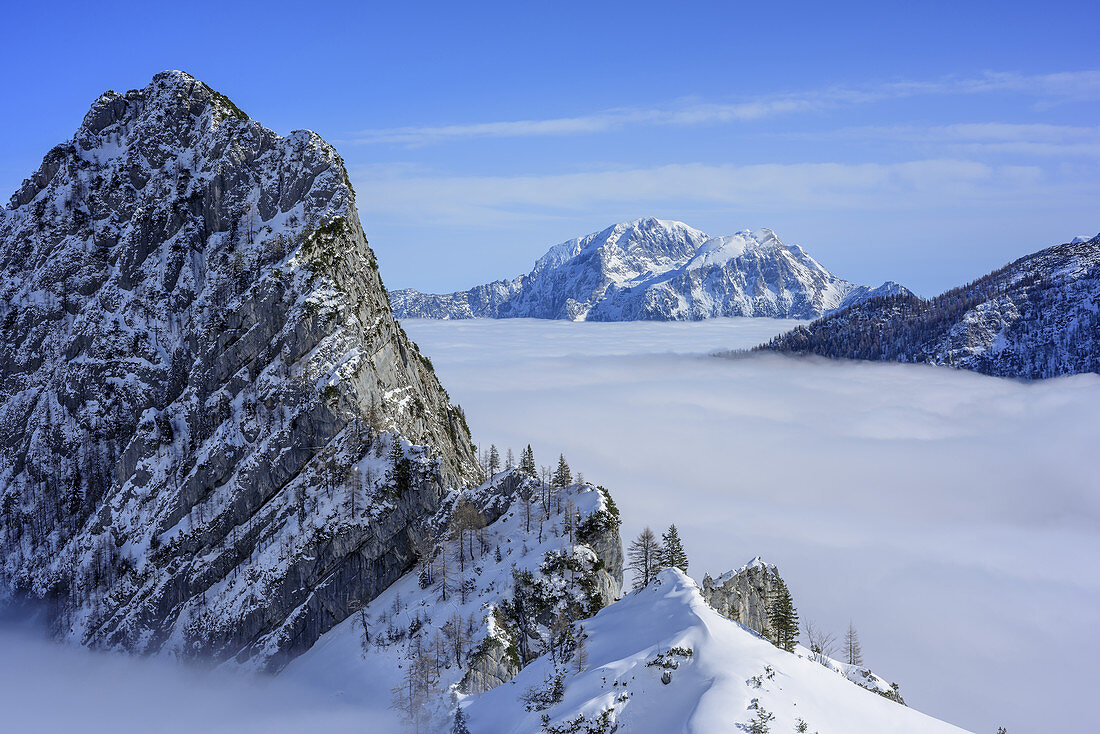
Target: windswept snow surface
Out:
[730,674]
[954,517]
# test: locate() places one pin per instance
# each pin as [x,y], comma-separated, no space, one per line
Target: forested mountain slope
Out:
[1037,317]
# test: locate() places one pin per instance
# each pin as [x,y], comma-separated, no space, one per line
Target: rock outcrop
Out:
[215,439]
[655,270]
[509,570]
[587,580]
[742,595]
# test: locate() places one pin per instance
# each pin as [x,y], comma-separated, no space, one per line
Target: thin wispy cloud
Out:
[605,121]
[487,200]
[985,137]
[1049,88]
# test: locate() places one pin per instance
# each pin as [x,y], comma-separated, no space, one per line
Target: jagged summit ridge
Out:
[654,269]
[205,387]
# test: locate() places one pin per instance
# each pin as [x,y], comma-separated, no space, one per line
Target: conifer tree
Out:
[580,653]
[852,649]
[494,460]
[458,726]
[527,496]
[401,469]
[527,463]
[782,616]
[760,725]
[674,556]
[563,477]
[419,686]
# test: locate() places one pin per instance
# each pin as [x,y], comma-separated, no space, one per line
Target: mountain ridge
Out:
[661,659]
[653,269]
[1037,317]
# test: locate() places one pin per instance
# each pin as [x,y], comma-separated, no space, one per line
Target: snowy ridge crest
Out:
[662,660]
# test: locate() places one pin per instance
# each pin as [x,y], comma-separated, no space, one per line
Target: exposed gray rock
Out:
[742,595]
[205,394]
[489,667]
[608,547]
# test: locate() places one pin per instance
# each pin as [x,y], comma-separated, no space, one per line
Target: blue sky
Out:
[926,143]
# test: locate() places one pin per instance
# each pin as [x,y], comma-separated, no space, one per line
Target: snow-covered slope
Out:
[214,436]
[1034,318]
[469,637]
[651,269]
[661,660]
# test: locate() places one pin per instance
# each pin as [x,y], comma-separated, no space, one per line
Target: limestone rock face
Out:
[489,669]
[608,547]
[742,595]
[214,437]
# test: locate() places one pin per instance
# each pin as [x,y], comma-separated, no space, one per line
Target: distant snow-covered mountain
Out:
[657,270]
[1034,318]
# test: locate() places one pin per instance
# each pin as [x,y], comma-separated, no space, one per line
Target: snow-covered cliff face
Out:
[1035,318]
[477,610]
[652,269]
[214,437]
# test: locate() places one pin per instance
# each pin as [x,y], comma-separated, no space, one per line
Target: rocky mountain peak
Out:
[1084,238]
[214,436]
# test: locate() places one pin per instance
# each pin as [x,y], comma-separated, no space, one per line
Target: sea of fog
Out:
[955,518]
[49,688]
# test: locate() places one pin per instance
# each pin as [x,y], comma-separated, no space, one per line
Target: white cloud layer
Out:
[953,516]
[770,187]
[1035,139]
[47,688]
